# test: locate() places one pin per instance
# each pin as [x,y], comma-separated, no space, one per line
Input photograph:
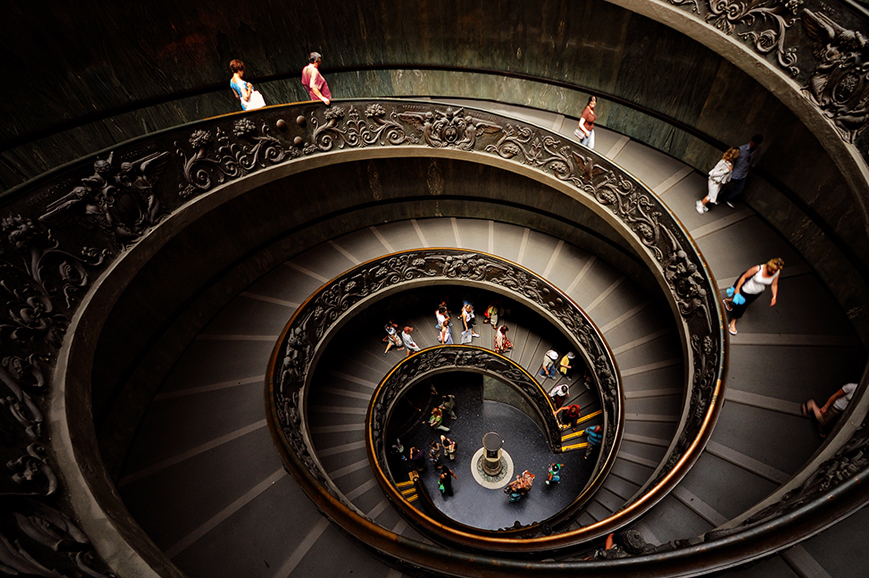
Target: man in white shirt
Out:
[828,415]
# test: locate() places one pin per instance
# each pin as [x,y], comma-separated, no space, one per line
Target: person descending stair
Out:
[408,341]
[502,344]
[548,368]
[392,339]
[564,366]
[436,420]
[445,480]
[594,435]
[570,417]
[559,394]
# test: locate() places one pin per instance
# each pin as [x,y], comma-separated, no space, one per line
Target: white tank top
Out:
[757,283]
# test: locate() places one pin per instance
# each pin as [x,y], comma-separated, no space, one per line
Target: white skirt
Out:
[714,189]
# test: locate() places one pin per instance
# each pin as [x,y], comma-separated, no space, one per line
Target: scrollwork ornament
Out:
[375,128]
[47,269]
[853,457]
[38,540]
[249,150]
[779,15]
[33,472]
[839,86]
[24,385]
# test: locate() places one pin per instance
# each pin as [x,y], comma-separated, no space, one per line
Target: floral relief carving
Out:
[34,472]
[773,19]
[251,149]
[767,20]
[837,81]
[36,274]
[379,128]
[38,540]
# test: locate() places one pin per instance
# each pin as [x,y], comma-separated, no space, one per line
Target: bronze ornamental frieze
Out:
[65,234]
[316,321]
[466,358]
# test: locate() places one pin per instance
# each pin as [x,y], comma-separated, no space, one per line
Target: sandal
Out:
[727,305]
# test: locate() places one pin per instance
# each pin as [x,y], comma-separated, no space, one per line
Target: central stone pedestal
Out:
[492,443]
[491,466]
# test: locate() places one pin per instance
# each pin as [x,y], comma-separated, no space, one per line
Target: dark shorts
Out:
[739,310]
[828,420]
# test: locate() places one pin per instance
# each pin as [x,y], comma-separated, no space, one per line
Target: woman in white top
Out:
[250,99]
[718,177]
[446,336]
[468,320]
[750,285]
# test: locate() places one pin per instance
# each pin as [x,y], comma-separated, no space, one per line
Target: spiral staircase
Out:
[203,480]
[192,372]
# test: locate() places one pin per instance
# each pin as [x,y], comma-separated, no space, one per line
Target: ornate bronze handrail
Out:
[443,358]
[314,322]
[65,231]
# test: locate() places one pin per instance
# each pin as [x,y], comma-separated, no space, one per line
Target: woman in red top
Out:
[585,131]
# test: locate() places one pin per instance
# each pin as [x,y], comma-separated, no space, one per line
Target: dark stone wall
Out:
[103,72]
[162,64]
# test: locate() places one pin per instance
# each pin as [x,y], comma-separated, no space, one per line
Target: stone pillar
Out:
[492,443]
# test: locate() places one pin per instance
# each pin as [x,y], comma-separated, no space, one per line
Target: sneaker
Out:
[475,334]
[729,204]
[700,208]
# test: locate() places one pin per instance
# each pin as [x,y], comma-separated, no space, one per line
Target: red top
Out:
[311,76]
[589,117]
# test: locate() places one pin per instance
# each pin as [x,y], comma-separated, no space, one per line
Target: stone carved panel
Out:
[249,150]
[38,540]
[839,85]
[118,198]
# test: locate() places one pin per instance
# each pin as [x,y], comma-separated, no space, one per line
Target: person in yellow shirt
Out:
[565,364]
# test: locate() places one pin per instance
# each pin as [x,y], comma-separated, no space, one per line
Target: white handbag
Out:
[255,101]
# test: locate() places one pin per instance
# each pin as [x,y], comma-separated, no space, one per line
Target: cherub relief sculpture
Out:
[839,85]
[120,200]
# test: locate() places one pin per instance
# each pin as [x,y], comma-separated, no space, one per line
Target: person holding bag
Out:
[585,130]
[749,286]
[250,99]
[718,177]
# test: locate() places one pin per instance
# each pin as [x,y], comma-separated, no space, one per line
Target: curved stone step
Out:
[649,361]
[213,370]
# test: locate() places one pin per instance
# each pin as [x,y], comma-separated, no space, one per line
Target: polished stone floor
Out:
[471,503]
